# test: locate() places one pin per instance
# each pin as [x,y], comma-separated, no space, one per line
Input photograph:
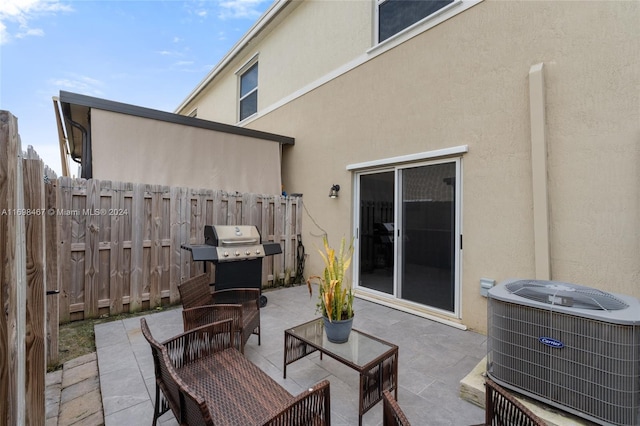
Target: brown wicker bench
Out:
[205,380]
[201,307]
[392,414]
[503,409]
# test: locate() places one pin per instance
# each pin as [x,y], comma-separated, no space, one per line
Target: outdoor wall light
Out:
[334,191]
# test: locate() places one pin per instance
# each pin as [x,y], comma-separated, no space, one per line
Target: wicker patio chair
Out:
[195,291]
[208,381]
[392,414]
[503,409]
[201,307]
[167,392]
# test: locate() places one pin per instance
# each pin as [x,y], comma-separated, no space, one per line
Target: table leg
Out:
[284,363]
[379,377]
[294,349]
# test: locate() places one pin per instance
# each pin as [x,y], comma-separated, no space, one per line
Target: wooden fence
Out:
[23,328]
[119,243]
[74,249]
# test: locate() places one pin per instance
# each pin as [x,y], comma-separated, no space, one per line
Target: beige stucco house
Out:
[472,142]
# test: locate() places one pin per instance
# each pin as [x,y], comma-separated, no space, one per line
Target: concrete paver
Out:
[53,391]
[73,396]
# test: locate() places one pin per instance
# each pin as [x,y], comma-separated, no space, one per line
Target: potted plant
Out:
[335,295]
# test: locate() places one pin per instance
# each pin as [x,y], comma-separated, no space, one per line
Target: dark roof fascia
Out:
[153,114]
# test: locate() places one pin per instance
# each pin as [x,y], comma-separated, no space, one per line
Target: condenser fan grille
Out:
[566,294]
[573,347]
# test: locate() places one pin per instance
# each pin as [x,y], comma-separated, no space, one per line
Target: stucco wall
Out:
[465,82]
[309,43]
[133,149]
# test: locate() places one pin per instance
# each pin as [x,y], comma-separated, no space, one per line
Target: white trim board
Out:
[461,149]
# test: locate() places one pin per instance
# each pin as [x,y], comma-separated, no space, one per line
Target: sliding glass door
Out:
[409,233]
[376,236]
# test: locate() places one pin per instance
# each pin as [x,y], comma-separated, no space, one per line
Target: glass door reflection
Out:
[428,229]
[376,250]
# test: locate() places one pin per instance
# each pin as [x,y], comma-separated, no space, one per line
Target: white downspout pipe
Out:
[539,173]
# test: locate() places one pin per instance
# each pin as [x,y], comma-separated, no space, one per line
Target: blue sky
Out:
[148,53]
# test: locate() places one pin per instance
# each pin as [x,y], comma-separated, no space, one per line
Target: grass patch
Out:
[77,338]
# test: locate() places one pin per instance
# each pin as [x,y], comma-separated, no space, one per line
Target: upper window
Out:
[249,92]
[396,15]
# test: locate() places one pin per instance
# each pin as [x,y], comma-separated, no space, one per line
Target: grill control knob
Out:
[225,254]
[257,251]
[237,253]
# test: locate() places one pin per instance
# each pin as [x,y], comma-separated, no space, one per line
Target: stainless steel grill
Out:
[237,251]
[231,243]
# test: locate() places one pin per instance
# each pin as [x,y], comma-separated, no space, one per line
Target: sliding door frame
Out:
[396,164]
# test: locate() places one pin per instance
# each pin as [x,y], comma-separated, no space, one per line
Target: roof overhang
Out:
[76,116]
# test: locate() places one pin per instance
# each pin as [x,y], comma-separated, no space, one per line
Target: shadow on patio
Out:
[433,359]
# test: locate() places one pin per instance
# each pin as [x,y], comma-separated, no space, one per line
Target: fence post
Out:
[137,250]
[51,249]
[116,252]
[12,275]
[92,251]
[176,230]
[35,363]
[64,197]
[155,249]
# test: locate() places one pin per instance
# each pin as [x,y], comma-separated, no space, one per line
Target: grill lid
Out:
[231,235]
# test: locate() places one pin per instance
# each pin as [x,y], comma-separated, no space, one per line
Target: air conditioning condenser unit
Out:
[570,346]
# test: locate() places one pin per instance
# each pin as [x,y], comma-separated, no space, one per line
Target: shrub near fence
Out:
[119,243]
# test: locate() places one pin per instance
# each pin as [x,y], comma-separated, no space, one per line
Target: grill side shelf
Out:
[201,252]
[271,249]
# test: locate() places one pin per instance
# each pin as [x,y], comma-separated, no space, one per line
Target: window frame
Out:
[244,70]
[422,22]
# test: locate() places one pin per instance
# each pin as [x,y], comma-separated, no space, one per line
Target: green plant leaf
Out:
[335,295]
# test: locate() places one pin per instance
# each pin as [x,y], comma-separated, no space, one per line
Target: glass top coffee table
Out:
[375,359]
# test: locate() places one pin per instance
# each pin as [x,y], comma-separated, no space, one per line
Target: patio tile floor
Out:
[433,359]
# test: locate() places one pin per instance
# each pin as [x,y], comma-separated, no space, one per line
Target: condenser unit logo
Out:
[551,342]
